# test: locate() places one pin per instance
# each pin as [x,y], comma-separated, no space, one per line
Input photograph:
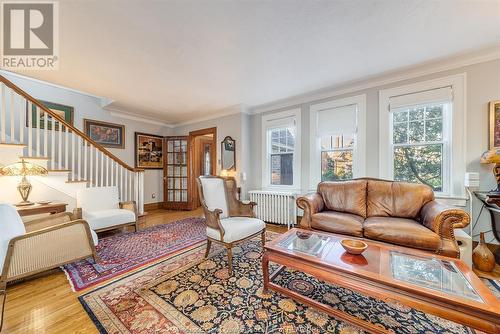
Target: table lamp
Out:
[493,157]
[23,169]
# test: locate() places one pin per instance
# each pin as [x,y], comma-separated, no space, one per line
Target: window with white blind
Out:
[281,150]
[337,140]
[422,134]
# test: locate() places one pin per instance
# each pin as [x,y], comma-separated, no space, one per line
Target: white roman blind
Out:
[338,120]
[438,95]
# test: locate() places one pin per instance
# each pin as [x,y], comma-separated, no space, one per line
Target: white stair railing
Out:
[24,120]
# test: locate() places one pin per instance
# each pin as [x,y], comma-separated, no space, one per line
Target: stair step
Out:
[13,144]
[77,181]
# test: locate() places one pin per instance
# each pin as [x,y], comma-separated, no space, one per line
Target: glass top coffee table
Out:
[431,283]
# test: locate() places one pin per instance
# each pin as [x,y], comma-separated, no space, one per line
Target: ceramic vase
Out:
[482,257]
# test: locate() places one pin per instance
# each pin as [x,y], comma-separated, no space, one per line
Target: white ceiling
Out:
[179,60]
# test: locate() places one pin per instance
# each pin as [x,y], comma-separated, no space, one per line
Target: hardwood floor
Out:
[47,305]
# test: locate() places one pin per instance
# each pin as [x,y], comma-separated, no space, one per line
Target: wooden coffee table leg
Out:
[265,271]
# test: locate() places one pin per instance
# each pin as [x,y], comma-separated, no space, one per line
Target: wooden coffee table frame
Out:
[484,317]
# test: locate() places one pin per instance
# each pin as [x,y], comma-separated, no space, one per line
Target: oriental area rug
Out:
[189,294]
[122,253]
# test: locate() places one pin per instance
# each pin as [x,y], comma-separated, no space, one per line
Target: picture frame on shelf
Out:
[104,133]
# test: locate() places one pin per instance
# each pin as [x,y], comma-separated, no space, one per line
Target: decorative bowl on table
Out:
[354,247]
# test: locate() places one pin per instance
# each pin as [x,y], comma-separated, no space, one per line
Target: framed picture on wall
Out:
[148,151]
[65,112]
[104,133]
[494,141]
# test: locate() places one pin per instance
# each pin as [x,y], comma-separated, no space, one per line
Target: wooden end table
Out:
[36,209]
[387,272]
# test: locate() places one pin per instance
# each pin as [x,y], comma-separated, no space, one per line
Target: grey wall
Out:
[482,86]
[86,106]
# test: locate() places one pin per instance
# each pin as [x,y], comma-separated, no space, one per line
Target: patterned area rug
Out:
[124,252]
[186,294]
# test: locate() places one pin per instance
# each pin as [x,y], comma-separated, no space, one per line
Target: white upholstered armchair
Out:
[228,220]
[102,209]
[44,244]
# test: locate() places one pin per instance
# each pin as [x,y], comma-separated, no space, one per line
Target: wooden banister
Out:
[19,91]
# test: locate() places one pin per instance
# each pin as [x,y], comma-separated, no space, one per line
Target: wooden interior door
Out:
[203,163]
[176,170]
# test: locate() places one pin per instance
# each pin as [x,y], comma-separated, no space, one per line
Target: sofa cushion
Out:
[401,231]
[338,222]
[237,228]
[97,199]
[108,218]
[396,199]
[344,196]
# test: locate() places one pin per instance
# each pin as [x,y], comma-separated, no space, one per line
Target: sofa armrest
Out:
[443,219]
[311,204]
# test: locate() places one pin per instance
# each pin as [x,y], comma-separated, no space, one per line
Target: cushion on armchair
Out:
[106,218]
[11,226]
[237,228]
[215,195]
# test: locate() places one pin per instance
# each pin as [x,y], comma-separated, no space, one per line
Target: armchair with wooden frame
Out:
[43,244]
[228,220]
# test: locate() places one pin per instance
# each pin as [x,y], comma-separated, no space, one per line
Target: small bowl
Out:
[354,247]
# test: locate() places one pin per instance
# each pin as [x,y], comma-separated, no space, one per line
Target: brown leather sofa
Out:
[394,212]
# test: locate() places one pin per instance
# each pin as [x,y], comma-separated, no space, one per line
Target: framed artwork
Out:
[104,133]
[494,141]
[66,112]
[148,151]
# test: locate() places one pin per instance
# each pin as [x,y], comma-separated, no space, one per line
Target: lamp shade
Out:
[23,168]
[490,157]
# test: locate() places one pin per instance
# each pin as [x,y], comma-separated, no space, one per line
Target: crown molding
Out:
[136,117]
[231,110]
[435,66]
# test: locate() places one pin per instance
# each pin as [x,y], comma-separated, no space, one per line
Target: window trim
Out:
[275,120]
[359,150]
[456,139]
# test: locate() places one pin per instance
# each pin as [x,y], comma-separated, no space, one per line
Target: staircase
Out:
[37,134]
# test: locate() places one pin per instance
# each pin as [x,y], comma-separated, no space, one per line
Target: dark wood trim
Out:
[153,206]
[191,178]
[69,126]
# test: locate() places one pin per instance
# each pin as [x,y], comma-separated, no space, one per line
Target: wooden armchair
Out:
[45,243]
[228,220]
[102,209]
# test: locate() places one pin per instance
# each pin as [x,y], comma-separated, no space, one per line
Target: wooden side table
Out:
[36,209]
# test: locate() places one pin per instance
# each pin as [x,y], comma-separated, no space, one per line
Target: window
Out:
[281,155]
[281,150]
[419,145]
[422,134]
[337,140]
[336,157]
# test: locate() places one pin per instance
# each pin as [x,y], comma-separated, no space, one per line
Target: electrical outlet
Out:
[153,195]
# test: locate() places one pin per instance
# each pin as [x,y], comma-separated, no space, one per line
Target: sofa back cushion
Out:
[344,196]
[97,199]
[396,199]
